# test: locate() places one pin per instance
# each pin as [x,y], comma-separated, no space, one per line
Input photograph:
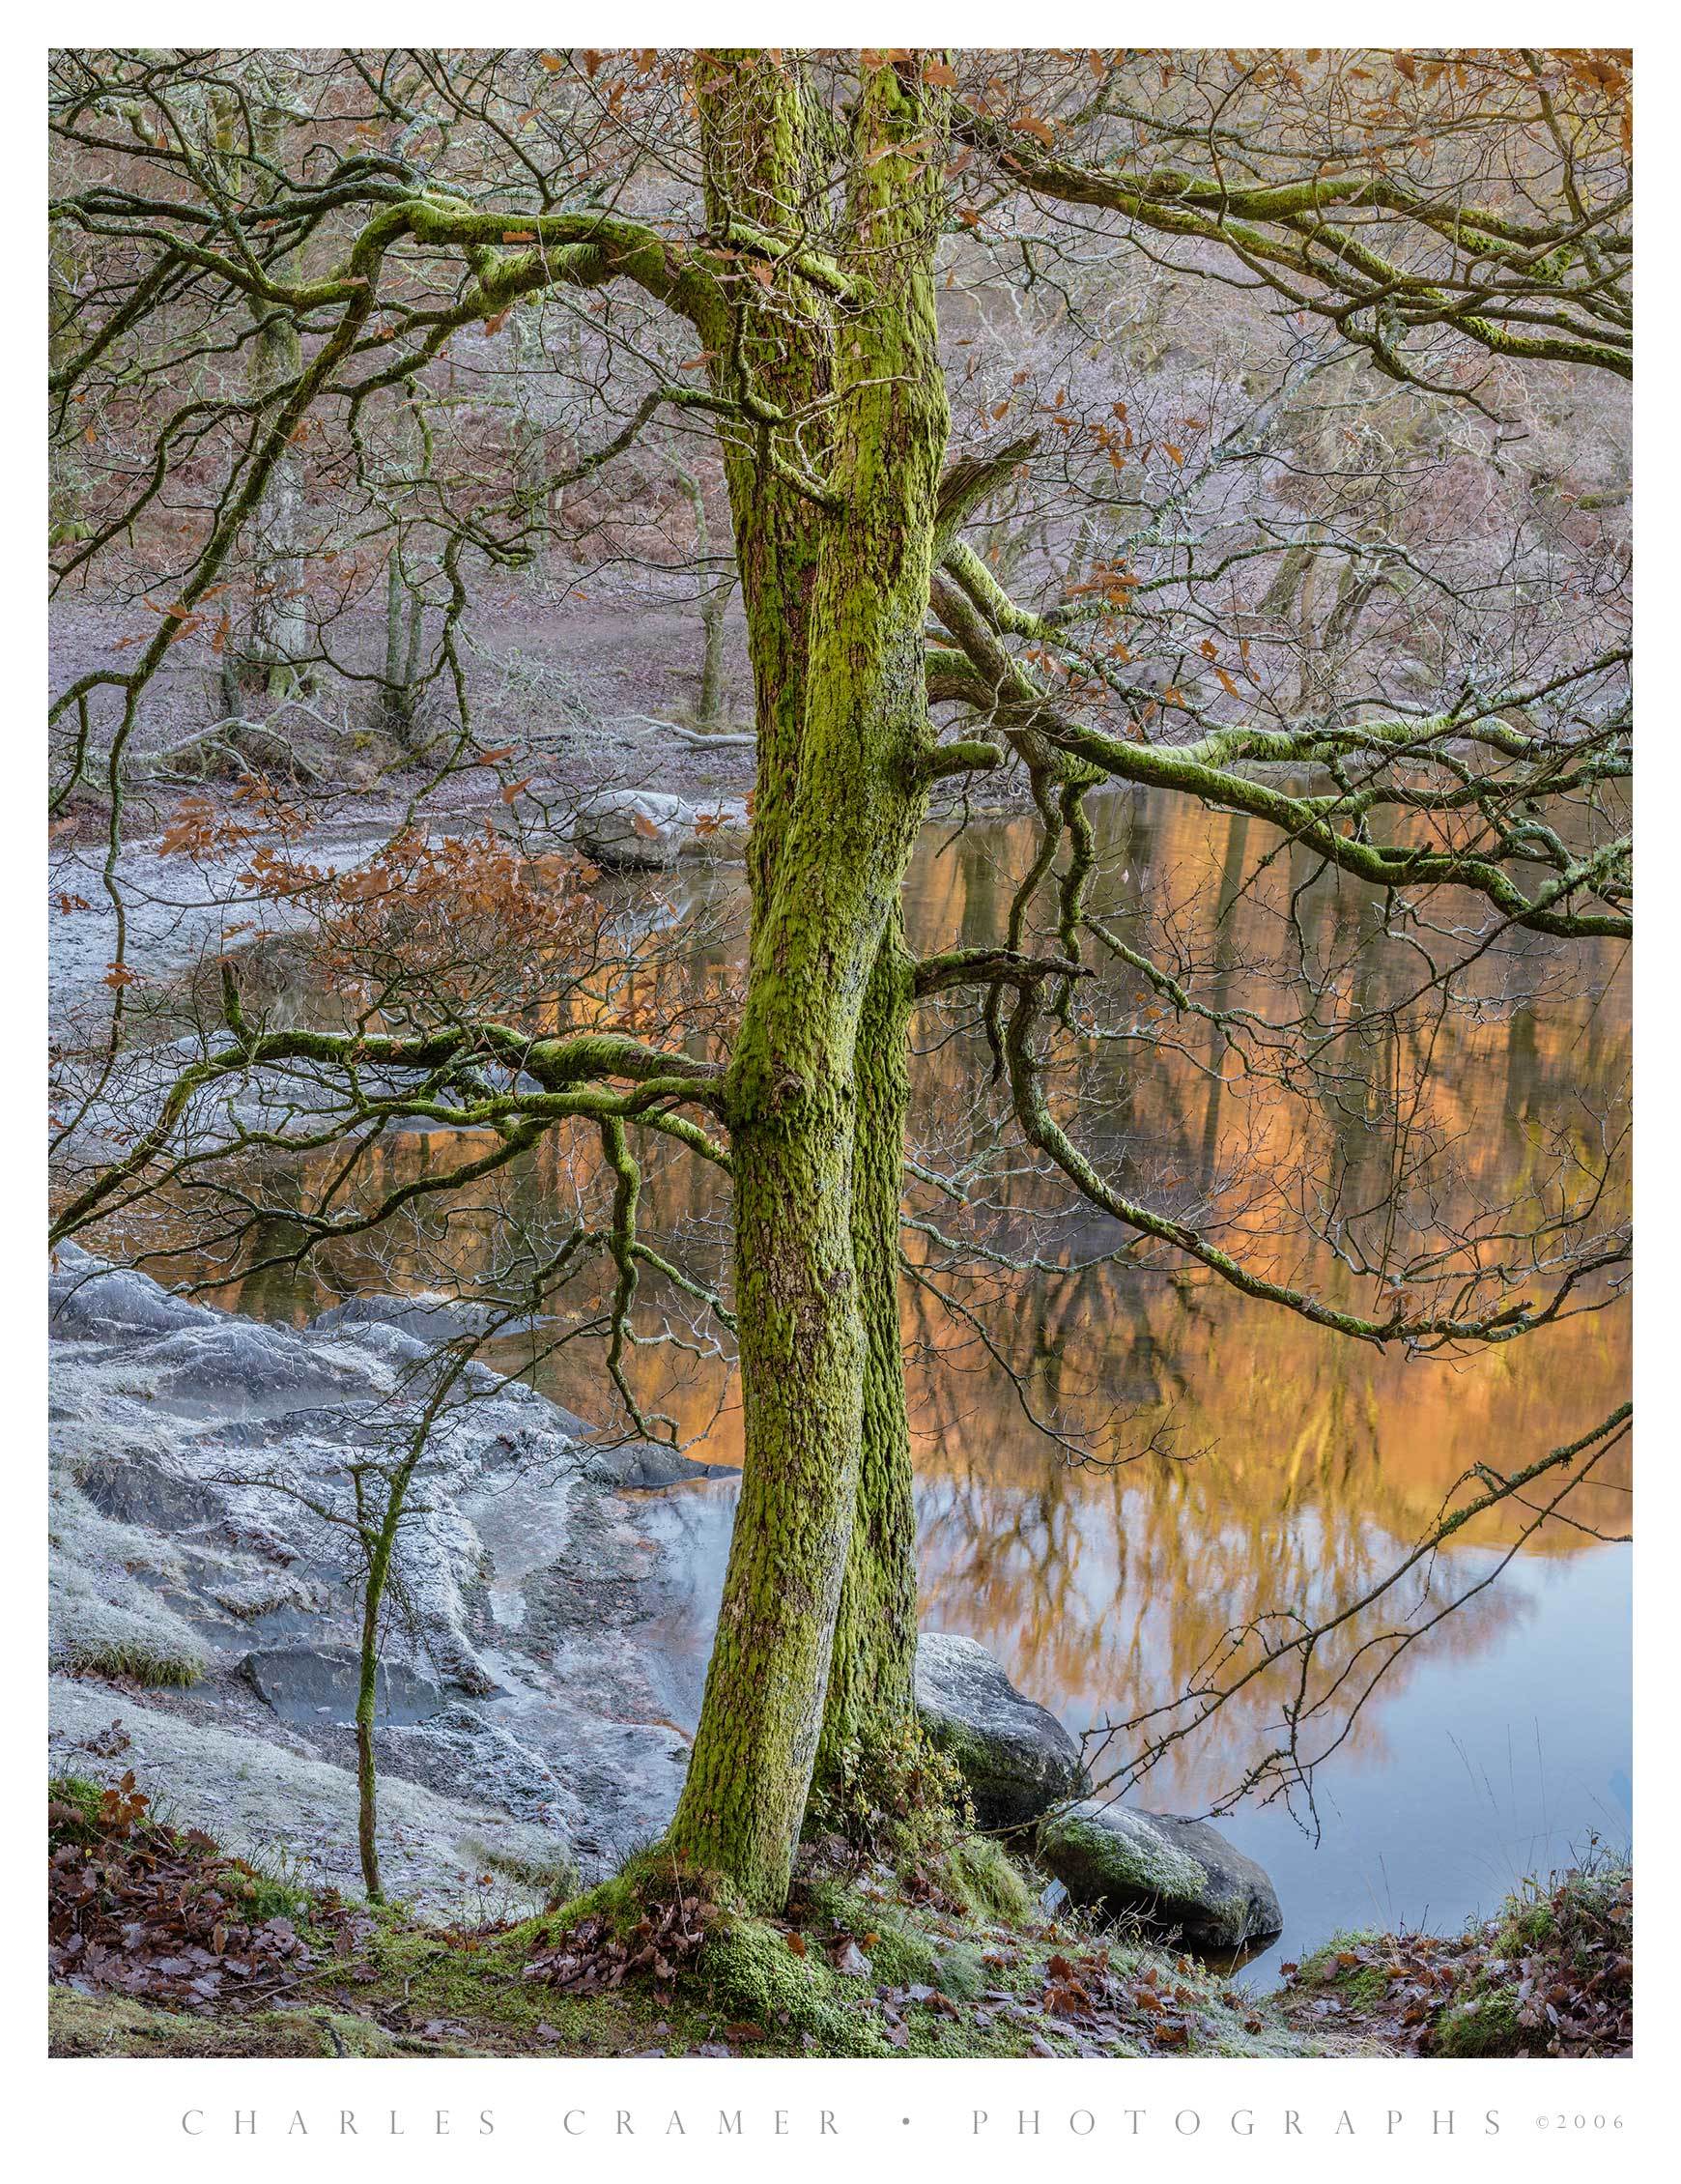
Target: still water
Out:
[1300,1464]
[1209,1457]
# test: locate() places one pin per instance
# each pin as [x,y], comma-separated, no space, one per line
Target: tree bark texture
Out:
[835,594]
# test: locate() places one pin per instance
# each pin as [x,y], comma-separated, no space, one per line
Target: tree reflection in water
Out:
[1118,1463]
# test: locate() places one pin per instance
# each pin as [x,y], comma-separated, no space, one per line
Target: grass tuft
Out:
[155,1668]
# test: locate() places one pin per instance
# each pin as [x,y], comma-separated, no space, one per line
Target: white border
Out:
[127,2117]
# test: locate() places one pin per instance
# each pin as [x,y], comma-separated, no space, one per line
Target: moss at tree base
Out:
[755,1977]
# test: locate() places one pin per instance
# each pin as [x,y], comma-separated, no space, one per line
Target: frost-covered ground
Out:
[554,1624]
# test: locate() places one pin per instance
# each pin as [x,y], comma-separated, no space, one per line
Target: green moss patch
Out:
[110,2025]
[984,1878]
[1124,1864]
[758,1979]
[1487,2024]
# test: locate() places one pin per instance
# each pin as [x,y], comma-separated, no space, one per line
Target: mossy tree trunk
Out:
[836,590]
[367,1703]
[869,1715]
[714,604]
[538,497]
[279,637]
[406,463]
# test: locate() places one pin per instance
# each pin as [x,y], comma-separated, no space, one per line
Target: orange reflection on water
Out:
[1291,1466]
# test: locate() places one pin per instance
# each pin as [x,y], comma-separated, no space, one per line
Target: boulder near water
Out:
[1017,1757]
[645,830]
[536,1692]
[1023,1770]
[1174,1874]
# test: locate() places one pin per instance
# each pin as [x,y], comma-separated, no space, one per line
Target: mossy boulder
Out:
[1017,1759]
[1171,1873]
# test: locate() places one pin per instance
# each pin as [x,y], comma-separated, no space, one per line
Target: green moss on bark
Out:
[871,1713]
[844,729]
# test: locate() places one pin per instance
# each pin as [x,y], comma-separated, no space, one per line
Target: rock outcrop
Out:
[549,1655]
[296,1816]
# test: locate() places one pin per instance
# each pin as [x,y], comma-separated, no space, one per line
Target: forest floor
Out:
[162,1945]
[578,687]
[535,657]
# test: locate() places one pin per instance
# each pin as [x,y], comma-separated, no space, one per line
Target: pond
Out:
[1117,1465]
